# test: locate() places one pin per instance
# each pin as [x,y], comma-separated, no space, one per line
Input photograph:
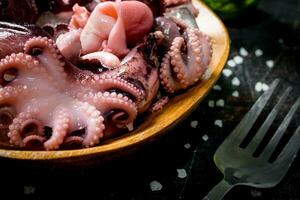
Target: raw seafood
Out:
[78,83]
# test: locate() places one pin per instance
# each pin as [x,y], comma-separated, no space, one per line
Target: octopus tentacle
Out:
[73,140]
[10,94]
[159,104]
[178,71]
[16,64]
[7,114]
[94,122]
[61,126]
[112,101]
[165,76]
[24,126]
[106,82]
[46,52]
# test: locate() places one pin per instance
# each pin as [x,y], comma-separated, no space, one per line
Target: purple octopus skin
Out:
[188,50]
[28,11]
[13,37]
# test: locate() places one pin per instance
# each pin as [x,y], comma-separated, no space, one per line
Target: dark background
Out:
[274,28]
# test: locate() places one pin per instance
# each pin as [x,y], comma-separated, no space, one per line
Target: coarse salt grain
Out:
[258,87]
[220,103]
[236,94]
[205,137]
[219,123]
[258,52]
[155,186]
[270,63]
[194,124]
[238,60]
[264,87]
[255,193]
[243,52]
[29,189]
[231,63]
[187,146]
[227,72]
[211,103]
[217,87]
[181,173]
[235,81]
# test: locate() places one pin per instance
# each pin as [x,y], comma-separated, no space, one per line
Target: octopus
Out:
[82,71]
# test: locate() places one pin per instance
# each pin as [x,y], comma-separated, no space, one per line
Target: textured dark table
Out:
[274,28]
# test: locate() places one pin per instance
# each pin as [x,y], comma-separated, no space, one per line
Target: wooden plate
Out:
[156,125]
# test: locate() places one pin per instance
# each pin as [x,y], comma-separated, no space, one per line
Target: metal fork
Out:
[238,164]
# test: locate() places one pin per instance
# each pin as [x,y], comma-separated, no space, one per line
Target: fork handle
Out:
[219,191]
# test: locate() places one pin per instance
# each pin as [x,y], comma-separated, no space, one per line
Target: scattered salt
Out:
[264,87]
[243,52]
[194,124]
[238,60]
[220,103]
[219,123]
[258,52]
[211,103]
[236,94]
[29,189]
[231,63]
[187,146]
[235,81]
[227,72]
[270,63]
[255,193]
[181,173]
[155,186]
[205,137]
[258,87]
[217,87]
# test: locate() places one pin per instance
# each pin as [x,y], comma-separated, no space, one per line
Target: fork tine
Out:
[248,120]
[291,149]
[267,123]
[267,152]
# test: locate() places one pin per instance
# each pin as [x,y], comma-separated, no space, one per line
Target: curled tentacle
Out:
[17,64]
[179,69]
[7,114]
[106,102]
[159,104]
[73,141]
[24,129]
[46,52]
[92,119]
[61,126]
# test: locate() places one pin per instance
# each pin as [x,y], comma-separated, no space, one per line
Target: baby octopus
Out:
[89,79]
[43,93]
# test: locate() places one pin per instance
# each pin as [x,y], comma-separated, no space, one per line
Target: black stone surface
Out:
[273,28]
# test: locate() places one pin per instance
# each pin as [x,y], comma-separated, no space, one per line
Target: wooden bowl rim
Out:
[131,139]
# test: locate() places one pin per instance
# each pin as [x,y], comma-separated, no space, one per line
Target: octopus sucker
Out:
[106,83]
[44,50]
[181,69]
[7,114]
[23,127]
[112,101]
[82,72]
[159,104]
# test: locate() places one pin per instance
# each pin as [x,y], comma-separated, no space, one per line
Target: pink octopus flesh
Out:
[87,77]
